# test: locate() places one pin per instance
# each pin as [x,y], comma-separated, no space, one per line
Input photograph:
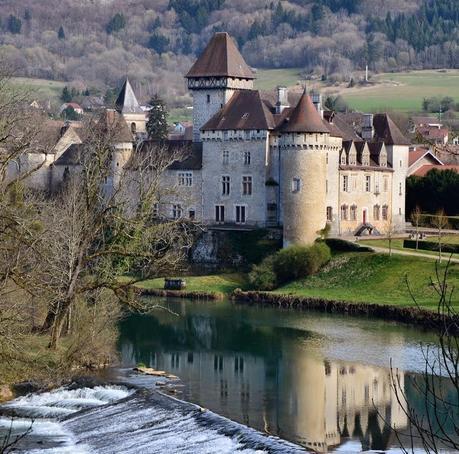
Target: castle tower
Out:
[128,106]
[216,74]
[304,144]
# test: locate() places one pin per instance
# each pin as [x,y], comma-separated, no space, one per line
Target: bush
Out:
[431,246]
[262,276]
[296,262]
[338,245]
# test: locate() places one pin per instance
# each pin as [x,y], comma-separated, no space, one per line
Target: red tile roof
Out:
[424,170]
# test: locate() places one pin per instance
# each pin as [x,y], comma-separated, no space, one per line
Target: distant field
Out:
[404,91]
[267,79]
[39,89]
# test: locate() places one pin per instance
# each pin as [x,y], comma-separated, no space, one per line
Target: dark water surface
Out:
[319,380]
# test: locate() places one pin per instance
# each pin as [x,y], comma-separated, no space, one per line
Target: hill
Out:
[94,44]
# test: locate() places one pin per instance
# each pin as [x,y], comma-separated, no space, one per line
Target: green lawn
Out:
[374,278]
[40,89]
[223,283]
[404,91]
[398,244]
[267,79]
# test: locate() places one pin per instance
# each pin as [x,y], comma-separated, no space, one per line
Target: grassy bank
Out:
[374,278]
[353,277]
[221,283]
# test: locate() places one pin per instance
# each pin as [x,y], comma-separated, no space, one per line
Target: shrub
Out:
[262,276]
[339,245]
[296,262]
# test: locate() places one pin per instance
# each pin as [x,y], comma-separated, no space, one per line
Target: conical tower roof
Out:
[127,101]
[305,118]
[221,58]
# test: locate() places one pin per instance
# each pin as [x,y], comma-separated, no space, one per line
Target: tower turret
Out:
[216,74]
[304,143]
[127,105]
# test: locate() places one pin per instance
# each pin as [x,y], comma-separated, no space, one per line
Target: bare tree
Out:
[434,416]
[440,222]
[416,217]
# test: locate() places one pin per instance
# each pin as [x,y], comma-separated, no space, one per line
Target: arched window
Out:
[133,128]
[344,212]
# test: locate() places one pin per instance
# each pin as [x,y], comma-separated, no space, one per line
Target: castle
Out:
[256,162]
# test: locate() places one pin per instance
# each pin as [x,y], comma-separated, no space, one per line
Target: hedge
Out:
[339,245]
[431,246]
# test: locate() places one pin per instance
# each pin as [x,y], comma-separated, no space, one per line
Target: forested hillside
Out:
[96,43]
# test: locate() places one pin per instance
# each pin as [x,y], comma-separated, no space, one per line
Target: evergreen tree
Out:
[158,43]
[66,96]
[14,25]
[117,23]
[157,121]
[70,114]
[61,33]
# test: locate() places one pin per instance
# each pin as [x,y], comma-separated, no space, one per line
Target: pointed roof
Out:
[244,111]
[221,58]
[127,101]
[387,131]
[305,118]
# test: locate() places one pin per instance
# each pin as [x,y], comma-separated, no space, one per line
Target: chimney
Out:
[282,99]
[316,99]
[367,128]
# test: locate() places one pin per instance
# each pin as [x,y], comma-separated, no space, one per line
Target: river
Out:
[322,381]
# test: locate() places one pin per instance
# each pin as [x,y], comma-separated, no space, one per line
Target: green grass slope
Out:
[375,278]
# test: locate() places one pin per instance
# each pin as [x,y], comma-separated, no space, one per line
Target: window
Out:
[344,210]
[329,214]
[185,179]
[208,99]
[296,185]
[247,135]
[353,212]
[376,210]
[155,210]
[225,185]
[343,158]
[385,212]
[176,211]
[366,158]
[240,214]
[246,185]
[345,183]
[219,214]
[352,158]
[192,215]
[133,128]
[272,212]
[400,192]
[247,158]
[368,183]
[225,159]
[401,163]
[386,184]
[326,186]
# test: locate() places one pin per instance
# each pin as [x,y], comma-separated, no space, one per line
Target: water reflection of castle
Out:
[317,403]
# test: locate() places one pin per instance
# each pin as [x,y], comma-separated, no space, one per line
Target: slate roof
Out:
[127,101]
[244,111]
[387,131]
[305,118]
[221,58]
[71,156]
[192,153]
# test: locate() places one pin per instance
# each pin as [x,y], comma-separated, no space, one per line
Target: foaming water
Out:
[117,419]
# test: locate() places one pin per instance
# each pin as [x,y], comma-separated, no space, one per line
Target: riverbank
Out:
[355,278]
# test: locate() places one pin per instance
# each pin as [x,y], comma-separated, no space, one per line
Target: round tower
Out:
[304,144]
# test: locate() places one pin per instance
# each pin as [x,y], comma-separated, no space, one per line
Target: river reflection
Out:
[313,379]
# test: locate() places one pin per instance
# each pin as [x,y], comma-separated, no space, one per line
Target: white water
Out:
[143,423]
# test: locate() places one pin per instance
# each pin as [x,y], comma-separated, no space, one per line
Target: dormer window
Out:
[366,158]
[383,159]
[352,158]
[343,158]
